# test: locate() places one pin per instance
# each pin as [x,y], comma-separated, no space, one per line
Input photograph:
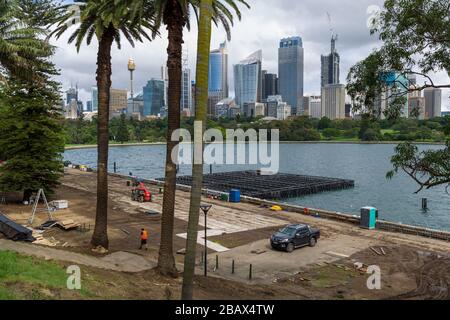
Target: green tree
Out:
[415,36]
[30,126]
[107,20]
[20,46]
[122,131]
[324,123]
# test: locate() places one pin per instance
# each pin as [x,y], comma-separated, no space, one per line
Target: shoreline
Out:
[348,218]
[140,144]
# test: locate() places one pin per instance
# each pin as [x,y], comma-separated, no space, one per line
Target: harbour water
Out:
[367,164]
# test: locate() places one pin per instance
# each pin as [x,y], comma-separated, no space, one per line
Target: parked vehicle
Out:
[294,236]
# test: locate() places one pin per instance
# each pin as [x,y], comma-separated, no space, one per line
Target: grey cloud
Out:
[261,28]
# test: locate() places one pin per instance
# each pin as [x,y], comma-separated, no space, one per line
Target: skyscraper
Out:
[71,94]
[186,88]
[247,79]
[153,97]
[396,86]
[330,65]
[94,99]
[433,102]
[218,77]
[290,71]
[269,85]
[218,71]
[118,102]
[333,101]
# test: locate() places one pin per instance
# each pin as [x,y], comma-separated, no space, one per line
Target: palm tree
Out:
[174,14]
[210,10]
[201,98]
[107,20]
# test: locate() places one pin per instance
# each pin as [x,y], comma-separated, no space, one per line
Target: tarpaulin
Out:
[14,231]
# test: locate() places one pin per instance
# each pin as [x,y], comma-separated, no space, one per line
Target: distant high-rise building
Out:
[118,102]
[135,107]
[272,105]
[247,79]
[186,88]
[193,97]
[333,101]
[254,109]
[72,110]
[311,107]
[416,106]
[348,110]
[290,71]
[218,77]
[283,111]
[396,86]
[94,99]
[315,108]
[330,66]
[165,79]
[153,94]
[89,106]
[71,94]
[269,85]
[223,108]
[433,102]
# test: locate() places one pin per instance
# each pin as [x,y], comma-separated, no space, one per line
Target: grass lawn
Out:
[23,277]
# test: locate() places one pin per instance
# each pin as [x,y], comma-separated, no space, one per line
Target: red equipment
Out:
[140,192]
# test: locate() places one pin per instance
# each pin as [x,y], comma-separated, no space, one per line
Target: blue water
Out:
[367,164]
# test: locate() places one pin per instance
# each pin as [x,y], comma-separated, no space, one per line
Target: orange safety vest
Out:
[144,235]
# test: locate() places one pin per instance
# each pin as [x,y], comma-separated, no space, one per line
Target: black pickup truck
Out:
[294,236]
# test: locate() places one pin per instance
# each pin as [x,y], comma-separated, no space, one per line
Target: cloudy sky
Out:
[261,28]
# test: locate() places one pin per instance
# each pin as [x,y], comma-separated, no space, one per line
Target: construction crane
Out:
[334,37]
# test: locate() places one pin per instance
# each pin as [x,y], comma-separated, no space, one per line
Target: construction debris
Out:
[374,250]
[49,242]
[68,224]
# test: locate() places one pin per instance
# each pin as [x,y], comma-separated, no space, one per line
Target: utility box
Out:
[369,216]
[235,195]
[60,204]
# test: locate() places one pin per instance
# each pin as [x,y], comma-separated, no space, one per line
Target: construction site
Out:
[241,264]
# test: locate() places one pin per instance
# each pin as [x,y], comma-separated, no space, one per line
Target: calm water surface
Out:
[366,164]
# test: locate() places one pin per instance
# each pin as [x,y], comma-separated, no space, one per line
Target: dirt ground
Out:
[413,267]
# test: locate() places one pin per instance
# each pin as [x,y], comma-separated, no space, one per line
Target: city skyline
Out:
[262,28]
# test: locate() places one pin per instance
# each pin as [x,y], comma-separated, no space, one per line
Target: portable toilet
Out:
[369,216]
[235,195]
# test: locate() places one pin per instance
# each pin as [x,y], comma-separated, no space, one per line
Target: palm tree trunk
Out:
[201,98]
[175,21]
[100,236]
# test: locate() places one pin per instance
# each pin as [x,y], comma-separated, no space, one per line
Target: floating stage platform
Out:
[269,187]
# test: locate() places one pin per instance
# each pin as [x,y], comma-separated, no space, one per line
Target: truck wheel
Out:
[312,242]
[141,199]
[290,247]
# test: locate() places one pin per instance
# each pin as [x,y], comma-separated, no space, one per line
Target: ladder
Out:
[40,194]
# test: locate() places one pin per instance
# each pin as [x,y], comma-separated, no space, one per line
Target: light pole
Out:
[205,208]
[131,68]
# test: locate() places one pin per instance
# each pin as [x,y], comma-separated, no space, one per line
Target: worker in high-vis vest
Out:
[144,238]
